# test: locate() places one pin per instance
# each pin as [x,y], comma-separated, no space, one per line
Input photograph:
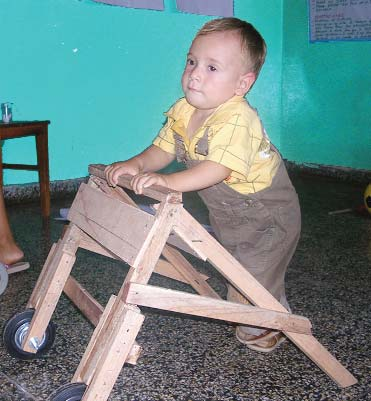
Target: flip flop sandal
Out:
[268,345]
[3,278]
[245,338]
[17,267]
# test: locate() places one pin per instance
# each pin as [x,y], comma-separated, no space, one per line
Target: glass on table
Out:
[6,112]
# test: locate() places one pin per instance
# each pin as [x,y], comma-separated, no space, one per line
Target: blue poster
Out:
[221,8]
[148,4]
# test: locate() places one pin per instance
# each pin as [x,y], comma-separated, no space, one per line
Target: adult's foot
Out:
[10,254]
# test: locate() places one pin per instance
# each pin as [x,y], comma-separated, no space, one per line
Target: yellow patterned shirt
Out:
[236,139]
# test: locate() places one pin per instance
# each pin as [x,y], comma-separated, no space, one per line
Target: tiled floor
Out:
[192,359]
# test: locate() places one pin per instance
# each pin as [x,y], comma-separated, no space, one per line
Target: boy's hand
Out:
[151,159]
[141,181]
[114,170]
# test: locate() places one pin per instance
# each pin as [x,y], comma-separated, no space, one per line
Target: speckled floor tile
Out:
[191,359]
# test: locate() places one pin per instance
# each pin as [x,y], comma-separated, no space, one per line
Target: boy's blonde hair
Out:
[253,44]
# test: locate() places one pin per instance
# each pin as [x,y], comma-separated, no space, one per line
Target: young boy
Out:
[239,174]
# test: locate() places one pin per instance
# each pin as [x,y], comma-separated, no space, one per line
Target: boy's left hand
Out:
[145,180]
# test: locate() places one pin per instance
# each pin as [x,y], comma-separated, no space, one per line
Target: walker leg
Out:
[43,281]
[116,338]
[44,300]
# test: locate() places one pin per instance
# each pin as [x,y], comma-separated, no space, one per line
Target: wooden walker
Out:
[106,220]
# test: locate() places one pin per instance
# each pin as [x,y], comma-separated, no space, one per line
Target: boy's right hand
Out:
[114,170]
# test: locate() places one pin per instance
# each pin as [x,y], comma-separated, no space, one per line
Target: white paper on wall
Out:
[339,20]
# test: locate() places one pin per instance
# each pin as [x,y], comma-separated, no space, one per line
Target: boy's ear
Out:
[245,83]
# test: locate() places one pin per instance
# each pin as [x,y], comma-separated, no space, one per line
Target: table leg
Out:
[1,165]
[43,169]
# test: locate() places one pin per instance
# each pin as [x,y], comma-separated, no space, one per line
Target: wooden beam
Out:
[89,307]
[104,334]
[150,252]
[43,280]
[182,302]
[162,267]
[190,274]
[125,326]
[59,268]
[167,269]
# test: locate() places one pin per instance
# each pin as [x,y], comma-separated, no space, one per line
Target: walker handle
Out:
[155,191]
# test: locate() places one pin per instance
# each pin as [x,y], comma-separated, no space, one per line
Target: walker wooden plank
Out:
[104,334]
[117,226]
[114,192]
[178,243]
[101,341]
[44,312]
[191,275]
[182,265]
[88,306]
[127,322]
[118,193]
[84,373]
[92,310]
[91,245]
[59,270]
[43,281]
[141,270]
[153,245]
[167,269]
[224,262]
[322,358]
[162,267]
[182,302]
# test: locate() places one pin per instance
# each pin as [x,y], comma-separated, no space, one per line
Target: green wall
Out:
[326,96]
[104,75]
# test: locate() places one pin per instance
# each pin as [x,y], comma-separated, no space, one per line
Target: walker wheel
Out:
[3,278]
[15,331]
[69,392]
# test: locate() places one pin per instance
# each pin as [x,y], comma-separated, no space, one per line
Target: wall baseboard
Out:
[30,192]
[335,172]
[66,188]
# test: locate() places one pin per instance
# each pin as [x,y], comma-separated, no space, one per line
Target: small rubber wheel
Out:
[3,278]
[16,329]
[69,392]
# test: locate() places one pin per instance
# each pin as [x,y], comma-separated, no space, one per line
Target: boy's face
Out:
[215,71]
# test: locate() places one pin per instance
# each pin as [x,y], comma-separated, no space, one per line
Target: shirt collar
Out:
[221,114]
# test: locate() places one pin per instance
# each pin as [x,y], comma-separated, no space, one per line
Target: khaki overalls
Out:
[261,230]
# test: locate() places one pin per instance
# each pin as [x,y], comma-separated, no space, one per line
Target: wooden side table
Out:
[38,129]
